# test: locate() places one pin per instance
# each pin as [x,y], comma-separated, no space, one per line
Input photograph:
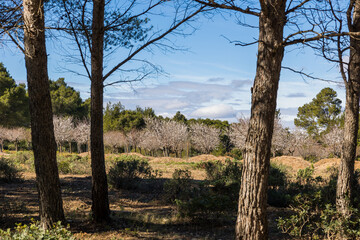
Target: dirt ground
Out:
[135,215]
[139,214]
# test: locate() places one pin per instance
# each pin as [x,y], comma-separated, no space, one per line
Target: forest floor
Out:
[135,215]
[140,214]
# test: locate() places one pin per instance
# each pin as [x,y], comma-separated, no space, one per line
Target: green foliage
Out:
[73,164]
[179,117]
[66,101]
[277,194]
[236,153]
[224,177]
[34,231]
[277,176]
[313,219]
[216,196]
[8,172]
[14,101]
[116,118]
[179,187]
[205,206]
[223,125]
[320,114]
[127,171]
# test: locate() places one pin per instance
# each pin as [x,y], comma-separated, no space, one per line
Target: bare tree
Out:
[43,139]
[133,138]
[63,129]
[15,135]
[237,133]
[81,134]
[179,136]
[115,139]
[204,138]
[149,140]
[334,140]
[280,139]
[4,133]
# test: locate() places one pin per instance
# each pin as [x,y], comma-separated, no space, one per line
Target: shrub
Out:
[179,187]
[277,194]
[205,206]
[127,171]
[8,172]
[313,219]
[73,164]
[218,194]
[64,166]
[236,153]
[34,231]
[277,176]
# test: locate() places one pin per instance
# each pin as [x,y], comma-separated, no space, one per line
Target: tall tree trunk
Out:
[346,171]
[100,200]
[252,219]
[42,128]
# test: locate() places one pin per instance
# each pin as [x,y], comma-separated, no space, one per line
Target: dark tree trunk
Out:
[42,129]
[351,122]
[100,201]
[252,220]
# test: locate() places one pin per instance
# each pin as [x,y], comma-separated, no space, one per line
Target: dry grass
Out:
[293,164]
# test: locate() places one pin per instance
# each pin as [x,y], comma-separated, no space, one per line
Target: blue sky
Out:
[211,79]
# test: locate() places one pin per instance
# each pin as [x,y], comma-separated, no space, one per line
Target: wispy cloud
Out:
[295,95]
[215,111]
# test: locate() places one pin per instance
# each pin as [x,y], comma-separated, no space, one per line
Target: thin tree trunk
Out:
[252,219]
[351,123]
[42,128]
[100,200]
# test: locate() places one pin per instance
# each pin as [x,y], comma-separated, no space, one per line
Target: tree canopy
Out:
[318,116]
[66,101]
[14,101]
[116,117]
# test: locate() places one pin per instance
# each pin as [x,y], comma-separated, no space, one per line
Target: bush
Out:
[277,176]
[313,219]
[217,195]
[34,231]
[179,187]
[127,171]
[277,194]
[8,172]
[205,206]
[73,164]
[236,153]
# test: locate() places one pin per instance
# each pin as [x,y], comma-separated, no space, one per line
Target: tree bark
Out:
[100,200]
[351,123]
[42,128]
[252,219]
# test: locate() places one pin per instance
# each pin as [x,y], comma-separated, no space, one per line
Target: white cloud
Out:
[214,111]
